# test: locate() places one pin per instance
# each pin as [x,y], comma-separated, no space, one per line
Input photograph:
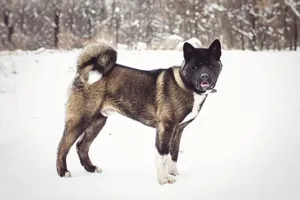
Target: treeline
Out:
[65,24]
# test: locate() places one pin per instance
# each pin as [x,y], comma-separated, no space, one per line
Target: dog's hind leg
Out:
[84,143]
[174,150]
[164,133]
[73,129]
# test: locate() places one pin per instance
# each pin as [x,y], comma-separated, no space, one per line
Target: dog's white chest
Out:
[198,100]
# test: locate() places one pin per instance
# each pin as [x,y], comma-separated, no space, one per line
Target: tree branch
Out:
[292,4]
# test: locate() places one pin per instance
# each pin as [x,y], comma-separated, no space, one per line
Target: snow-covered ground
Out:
[244,145]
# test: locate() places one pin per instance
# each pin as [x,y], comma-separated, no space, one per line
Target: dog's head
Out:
[202,66]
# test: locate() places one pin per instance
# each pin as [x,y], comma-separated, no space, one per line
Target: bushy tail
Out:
[95,59]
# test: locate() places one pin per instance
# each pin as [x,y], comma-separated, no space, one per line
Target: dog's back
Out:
[138,94]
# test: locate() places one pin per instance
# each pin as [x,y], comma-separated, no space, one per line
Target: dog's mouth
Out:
[205,85]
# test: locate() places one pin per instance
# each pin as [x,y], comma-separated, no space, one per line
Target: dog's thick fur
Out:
[165,99]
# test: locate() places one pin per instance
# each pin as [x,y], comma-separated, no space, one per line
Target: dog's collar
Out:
[209,91]
[178,78]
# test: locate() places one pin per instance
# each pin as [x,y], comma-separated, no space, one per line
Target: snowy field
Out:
[244,145]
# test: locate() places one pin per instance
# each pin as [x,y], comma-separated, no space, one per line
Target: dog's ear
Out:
[215,49]
[188,51]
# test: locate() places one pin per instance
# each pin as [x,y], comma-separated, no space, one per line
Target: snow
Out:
[244,144]
[193,41]
[247,34]
[141,46]
[170,42]
[175,37]
[217,7]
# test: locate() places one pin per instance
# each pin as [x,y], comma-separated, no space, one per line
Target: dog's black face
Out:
[202,66]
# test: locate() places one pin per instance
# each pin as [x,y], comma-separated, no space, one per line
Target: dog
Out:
[165,99]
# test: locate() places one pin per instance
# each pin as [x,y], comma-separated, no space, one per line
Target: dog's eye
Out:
[194,67]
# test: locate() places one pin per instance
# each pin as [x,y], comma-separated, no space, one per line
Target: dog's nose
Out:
[204,76]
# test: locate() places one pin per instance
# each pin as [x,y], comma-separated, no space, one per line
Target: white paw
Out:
[162,162]
[98,170]
[173,168]
[174,172]
[165,180]
[67,175]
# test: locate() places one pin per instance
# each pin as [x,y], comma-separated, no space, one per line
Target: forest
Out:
[65,24]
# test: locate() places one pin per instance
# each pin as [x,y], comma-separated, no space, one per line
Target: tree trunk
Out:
[117,30]
[295,32]
[10,28]
[56,28]
[242,38]
[113,18]
[253,41]
[22,21]
[263,42]
[285,32]
[89,28]
[243,42]
[10,33]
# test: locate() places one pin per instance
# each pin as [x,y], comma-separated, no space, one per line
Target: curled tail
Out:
[95,61]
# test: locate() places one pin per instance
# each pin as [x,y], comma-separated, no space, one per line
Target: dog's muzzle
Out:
[205,83]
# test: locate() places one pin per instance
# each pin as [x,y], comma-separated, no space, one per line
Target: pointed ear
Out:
[215,49]
[188,51]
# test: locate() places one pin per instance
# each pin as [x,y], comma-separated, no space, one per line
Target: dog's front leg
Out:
[174,150]
[164,133]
